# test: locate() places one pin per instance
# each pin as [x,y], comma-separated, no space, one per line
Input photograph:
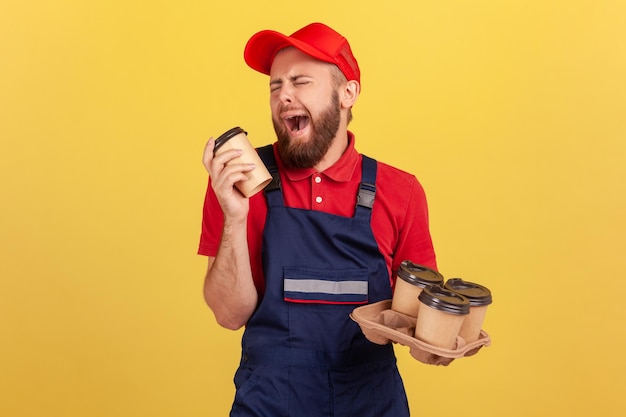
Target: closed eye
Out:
[296,81]
[275,85]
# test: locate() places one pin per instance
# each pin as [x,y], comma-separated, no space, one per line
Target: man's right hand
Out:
[224,176]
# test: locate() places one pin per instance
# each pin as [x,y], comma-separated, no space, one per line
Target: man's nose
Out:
[286,94]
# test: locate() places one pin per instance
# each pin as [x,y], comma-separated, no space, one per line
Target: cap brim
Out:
[262,47]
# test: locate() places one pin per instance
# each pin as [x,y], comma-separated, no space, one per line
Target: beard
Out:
[309,153]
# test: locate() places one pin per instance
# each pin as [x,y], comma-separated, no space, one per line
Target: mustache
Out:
[291,107]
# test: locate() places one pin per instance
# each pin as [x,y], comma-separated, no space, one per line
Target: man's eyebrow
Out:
[292,78]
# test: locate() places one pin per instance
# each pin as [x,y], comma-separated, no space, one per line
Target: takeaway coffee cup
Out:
[236,138]
[411,279]
[440,316]
[479,298]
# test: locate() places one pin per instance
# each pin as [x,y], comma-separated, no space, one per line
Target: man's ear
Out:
[350,93]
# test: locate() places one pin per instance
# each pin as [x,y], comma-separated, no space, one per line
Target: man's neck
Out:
[334,153]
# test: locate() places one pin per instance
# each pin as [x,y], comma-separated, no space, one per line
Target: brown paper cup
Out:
[411,279]
[479,297]
[441,315]
[259,177]
[438,328]
[405,298]
[473,323]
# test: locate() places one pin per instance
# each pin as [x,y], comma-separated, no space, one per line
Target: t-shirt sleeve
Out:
[414,240]
[400,220]
[212,223]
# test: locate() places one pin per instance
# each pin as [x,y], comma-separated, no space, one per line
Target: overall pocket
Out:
[325,286]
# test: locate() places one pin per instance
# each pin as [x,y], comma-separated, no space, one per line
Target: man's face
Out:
[305,107]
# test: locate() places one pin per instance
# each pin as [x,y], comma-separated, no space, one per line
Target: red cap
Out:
[316,40]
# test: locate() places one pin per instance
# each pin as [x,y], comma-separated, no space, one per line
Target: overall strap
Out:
[367,189]
[273,190]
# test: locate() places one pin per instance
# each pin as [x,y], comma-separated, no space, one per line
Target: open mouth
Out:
[296,123]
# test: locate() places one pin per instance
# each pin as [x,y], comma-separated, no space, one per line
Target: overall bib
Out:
[302,355]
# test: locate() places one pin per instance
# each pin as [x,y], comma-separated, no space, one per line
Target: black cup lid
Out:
[442,299]
[419,275]
[476,293]
[225,137]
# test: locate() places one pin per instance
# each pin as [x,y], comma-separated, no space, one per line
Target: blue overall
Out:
[302,355]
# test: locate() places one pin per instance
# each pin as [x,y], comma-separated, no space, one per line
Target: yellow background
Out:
[511,113]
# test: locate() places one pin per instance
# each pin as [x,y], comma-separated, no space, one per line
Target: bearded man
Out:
[291,263]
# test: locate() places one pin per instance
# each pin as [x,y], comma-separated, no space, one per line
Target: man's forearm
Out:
[228,287]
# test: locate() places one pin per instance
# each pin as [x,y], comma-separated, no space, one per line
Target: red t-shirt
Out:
[399,216]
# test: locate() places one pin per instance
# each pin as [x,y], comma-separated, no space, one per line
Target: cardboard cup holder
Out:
[381,325]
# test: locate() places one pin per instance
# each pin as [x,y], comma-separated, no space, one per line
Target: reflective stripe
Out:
[326,287]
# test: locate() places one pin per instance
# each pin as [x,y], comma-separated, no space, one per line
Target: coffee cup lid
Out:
[477,294]
[419,275]
[226,136]
[442,299]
